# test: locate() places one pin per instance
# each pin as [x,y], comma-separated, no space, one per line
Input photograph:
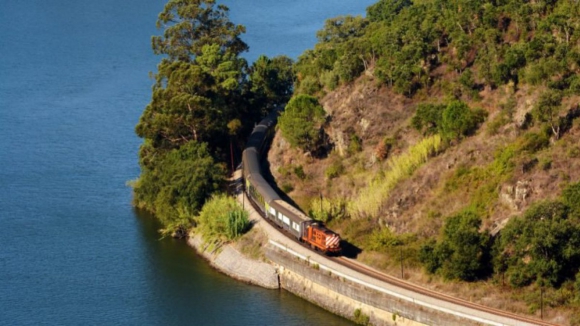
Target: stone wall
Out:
[343,297]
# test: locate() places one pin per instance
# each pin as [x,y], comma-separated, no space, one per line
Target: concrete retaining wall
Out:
[343,297]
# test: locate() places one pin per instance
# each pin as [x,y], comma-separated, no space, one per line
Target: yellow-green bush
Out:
[222,219]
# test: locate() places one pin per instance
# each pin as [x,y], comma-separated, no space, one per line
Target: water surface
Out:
[73,83]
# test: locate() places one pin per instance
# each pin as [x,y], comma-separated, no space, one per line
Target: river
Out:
[74,79]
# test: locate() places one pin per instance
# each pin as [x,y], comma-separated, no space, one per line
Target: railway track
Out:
[392,280]
[361,268]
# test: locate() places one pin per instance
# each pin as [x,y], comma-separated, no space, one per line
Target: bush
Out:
[178,183]
[355,145]
[287,187]
[299,171]
[222,219]
[543,245]
[462,250]
[533,142]
[334,170]
[571,198]
[427,118]
[458,120]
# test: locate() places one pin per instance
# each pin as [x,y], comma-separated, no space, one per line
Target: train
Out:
[271,205]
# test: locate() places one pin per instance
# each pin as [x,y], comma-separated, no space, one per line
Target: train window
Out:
[296,226]
[272,211]
[280,216]
[286,220]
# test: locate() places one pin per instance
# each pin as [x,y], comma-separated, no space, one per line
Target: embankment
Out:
[231,262]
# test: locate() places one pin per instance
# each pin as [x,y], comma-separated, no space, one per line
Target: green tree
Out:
[386,10]
[463,247]
[458,121]
[190,24]
[427,118]
[196,105]
[301,122]
[543,245]
[571,198]
[271,81]
[547,110]
[178,182]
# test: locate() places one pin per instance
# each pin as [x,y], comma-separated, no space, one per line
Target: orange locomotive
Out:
[321,238]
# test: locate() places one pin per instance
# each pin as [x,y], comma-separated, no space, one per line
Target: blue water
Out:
[73,83]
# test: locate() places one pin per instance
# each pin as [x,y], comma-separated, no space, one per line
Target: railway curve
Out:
[361,273]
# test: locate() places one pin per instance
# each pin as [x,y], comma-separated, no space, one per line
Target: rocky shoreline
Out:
[233,263]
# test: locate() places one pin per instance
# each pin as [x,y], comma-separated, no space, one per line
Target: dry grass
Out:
[251,244]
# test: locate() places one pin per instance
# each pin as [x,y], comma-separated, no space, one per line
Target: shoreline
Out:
[228,260]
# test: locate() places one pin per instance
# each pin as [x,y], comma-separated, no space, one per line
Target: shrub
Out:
[533,142]
[222,219]
[427,118]
[355,145]
[287,187]
[385,147]
[182,179]
[543,245]
[573,152]
[301,122]
[462,250]
[334,170]
[458,120]
[327,210]
[299,171]
[571,198]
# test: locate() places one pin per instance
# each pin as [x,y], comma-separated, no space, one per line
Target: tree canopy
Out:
[205,98]
[406,43]
[543,246]
[462,250]
[301,122]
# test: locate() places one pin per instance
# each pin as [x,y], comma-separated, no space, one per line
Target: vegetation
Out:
[461,252]
[301,122]
[176,188]
[460,215]
[360,318]
[205,99]
[222,219]
[542,245]
[369,199]
[452,122]
[486,43]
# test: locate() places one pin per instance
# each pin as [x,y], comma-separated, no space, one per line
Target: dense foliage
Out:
[205,99]
[452,121]
[407,44]
[461,252]
[222,219]
[301,122]
[543,245]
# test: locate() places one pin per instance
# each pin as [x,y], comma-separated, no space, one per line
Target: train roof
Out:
[259,132]
[263,187]
[289,210]
[251,161]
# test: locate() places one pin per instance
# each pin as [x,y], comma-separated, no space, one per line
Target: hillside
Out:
[467,164]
